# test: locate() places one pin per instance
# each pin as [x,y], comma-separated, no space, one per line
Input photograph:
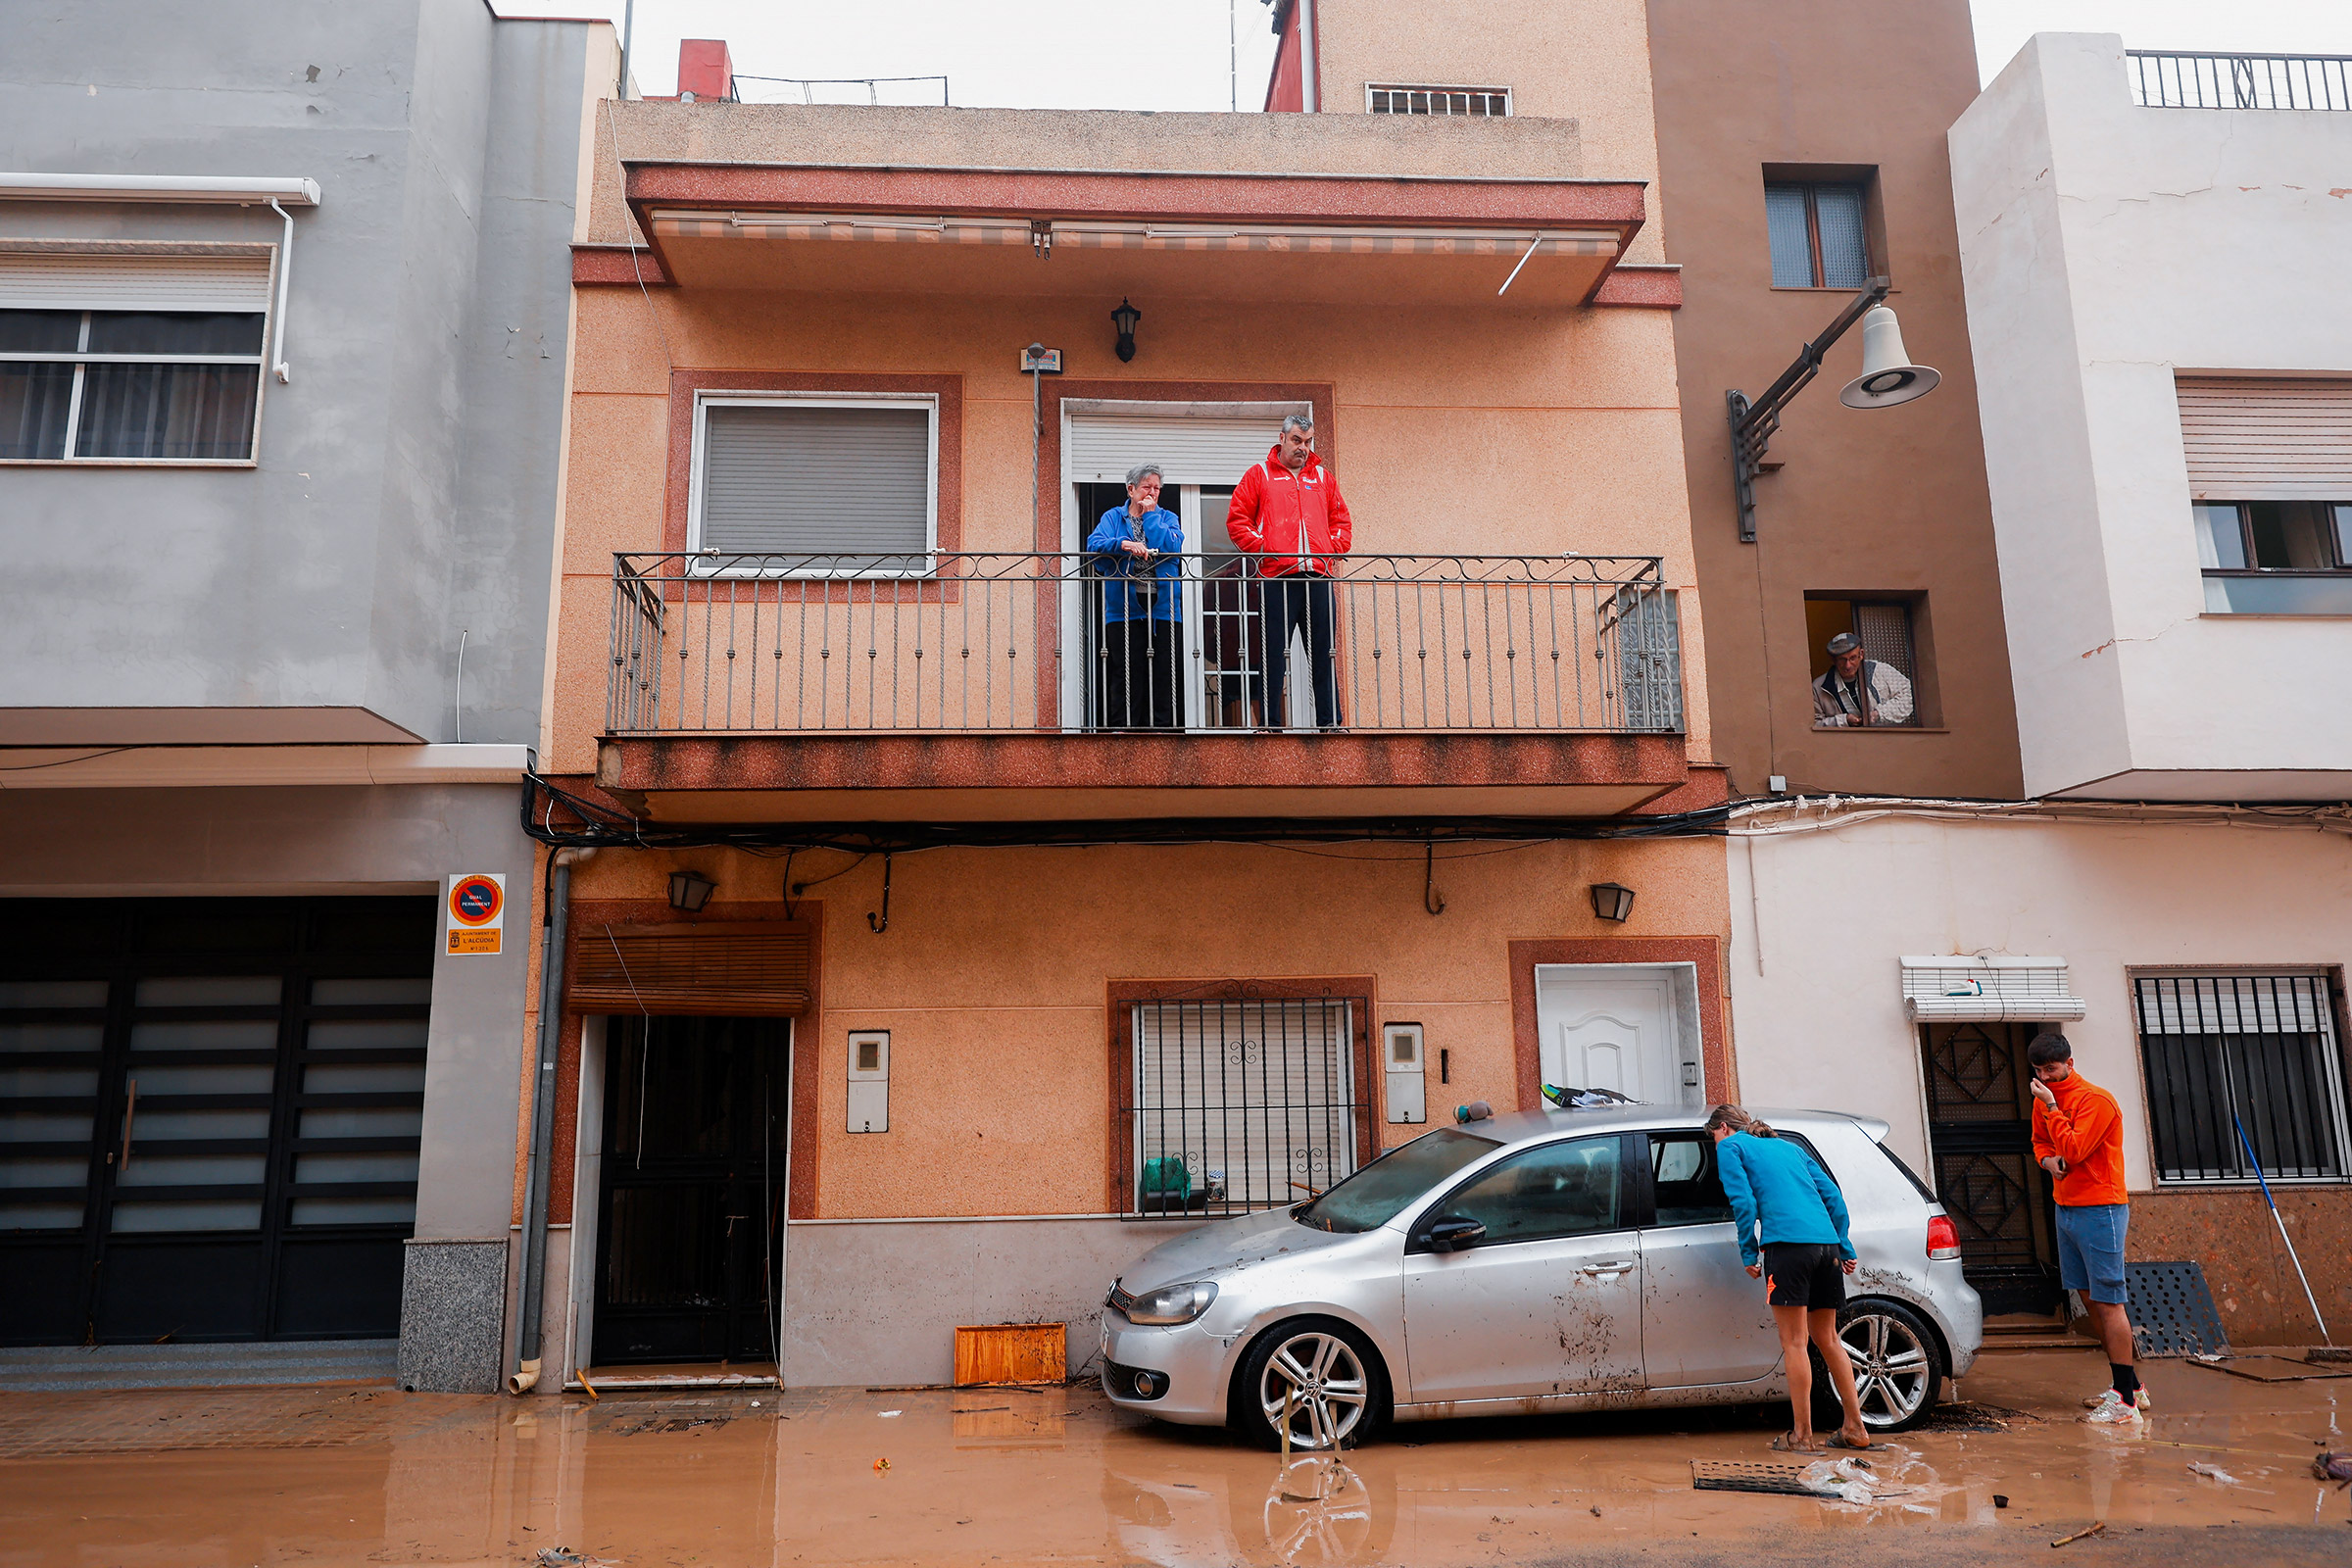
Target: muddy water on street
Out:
[1016,1476]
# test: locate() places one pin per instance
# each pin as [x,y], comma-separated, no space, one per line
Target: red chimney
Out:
[704,73]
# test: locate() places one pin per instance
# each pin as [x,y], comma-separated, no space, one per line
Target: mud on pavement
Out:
[246,1477]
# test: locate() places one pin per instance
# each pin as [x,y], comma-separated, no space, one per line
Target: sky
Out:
[1175,54]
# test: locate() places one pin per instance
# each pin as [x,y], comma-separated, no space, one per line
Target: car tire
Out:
[1341,1388]
[1899,1370]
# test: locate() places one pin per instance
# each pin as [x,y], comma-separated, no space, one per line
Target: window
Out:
[1681,1173]
[1818,236]
[817,485]
[2239,1066]
[2269,484]
[1244,1103]
[129,385]
[1884,691]
[1569,1188]
[2276,557]
[1388,98]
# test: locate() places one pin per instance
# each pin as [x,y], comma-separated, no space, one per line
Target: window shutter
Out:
[43,281]
[1792,242]
[721,970]
[2252,438]
[785,479]
[1211,451]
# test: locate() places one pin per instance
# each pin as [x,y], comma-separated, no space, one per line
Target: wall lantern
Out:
[1125,317]
[1612,903]
[691,889]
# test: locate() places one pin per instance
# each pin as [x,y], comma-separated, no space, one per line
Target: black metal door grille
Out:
[2256,1052]
[1242,1105]
[1980,1133]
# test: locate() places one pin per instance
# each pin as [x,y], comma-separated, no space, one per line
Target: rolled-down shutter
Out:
[36,280]
[791,478]
[1213,449]
[719,969]
[2266,438]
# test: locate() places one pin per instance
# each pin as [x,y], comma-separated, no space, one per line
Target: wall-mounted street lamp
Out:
[1125,317]
[690,891]
[1613,902]
[1888,378]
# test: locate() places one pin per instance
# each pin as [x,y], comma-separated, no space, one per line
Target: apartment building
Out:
[284,315]
[917,972]
[2149,260]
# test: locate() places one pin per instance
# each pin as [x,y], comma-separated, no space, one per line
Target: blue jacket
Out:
[1164,531]
[1774,1184]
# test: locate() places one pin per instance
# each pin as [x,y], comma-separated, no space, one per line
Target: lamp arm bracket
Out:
[1755,425]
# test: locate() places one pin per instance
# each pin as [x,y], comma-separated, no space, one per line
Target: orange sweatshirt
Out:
[2086,1129]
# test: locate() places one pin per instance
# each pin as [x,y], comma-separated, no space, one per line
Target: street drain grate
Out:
[2172,1312]
[1965,1417]
[1777,1480]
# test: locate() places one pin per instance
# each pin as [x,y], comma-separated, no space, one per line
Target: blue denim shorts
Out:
[2090,1250]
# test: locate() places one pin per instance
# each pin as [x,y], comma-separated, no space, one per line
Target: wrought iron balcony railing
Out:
[2164,79]
[706,644]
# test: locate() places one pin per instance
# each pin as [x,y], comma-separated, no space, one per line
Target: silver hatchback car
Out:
[1537,1260]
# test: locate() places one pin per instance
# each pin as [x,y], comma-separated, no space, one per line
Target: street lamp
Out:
[1125,317]
[1612,901]
[1888,378]
[690,891]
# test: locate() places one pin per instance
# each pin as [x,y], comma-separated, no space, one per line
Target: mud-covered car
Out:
[1541,1261]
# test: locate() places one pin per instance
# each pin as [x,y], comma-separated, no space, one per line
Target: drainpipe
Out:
[543,1116]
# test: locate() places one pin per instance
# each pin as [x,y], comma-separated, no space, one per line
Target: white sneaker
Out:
[2112,1409]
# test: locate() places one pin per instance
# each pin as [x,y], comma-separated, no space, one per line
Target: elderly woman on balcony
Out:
[1138,551]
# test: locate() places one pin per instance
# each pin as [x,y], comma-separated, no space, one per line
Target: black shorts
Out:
[1807,1274]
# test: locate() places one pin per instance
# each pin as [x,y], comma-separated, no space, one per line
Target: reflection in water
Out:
[1318,1511]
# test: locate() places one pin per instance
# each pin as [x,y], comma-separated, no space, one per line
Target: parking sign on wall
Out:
[478,913]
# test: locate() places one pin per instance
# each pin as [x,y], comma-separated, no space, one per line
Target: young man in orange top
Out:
[2079,1139]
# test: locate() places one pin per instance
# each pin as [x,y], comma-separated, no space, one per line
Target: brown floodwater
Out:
[239,1478]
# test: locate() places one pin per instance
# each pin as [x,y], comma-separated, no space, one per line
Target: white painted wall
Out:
[2105,247]
[1817,1015]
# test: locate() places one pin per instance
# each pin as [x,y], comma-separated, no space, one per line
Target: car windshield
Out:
[1373,1195]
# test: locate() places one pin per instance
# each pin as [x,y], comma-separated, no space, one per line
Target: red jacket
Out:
[1293,522]
[2087,1131]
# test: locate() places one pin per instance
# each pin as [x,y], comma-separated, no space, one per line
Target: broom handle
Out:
[2282,1224]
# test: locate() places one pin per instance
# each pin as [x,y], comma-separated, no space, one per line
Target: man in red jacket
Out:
[1287,512]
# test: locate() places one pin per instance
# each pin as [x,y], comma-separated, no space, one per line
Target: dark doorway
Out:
[691,1213]
[1981,1136]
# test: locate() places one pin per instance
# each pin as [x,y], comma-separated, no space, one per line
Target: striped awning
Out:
[1093,233]
[1957,989]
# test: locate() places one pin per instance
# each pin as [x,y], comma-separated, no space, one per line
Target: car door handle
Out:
[1618,1268]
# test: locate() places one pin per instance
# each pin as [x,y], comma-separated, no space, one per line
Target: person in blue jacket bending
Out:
[1139,552]
[1793,1236]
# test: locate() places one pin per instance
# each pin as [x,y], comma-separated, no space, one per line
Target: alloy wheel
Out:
[1315,1385]
[1894,1370]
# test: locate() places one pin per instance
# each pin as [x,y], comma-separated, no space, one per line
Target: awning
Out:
[1956,989]
[721,968]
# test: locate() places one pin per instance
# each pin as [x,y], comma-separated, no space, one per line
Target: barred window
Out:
[2243,1068]
[1818,236]
[1391,99]
[1243,1104]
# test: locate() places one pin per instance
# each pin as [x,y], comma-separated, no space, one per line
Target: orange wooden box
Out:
[1012,1352]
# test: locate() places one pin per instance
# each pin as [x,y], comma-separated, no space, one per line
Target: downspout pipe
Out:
[555,926]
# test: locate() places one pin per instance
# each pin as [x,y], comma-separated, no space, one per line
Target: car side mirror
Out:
[1452,1232]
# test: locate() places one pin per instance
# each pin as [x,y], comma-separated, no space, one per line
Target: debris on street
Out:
[2081,1534]
[2213,1472]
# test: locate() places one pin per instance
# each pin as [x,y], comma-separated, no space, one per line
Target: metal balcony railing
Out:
[2165,79]
[1008,642]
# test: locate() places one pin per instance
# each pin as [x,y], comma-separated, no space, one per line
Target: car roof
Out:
[1523,1126]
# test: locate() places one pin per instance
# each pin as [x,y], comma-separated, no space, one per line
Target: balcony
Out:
[2168,80]
[1009,686]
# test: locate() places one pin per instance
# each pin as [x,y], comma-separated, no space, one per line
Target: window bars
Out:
[2252,1052]
[1389,99]
[1238,1104]
[2168,81]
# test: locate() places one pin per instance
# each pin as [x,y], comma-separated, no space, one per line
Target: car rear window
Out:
[1379,1192]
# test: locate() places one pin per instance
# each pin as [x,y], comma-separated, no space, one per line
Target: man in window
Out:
[1858,690]
[1138,551]
[1288,514]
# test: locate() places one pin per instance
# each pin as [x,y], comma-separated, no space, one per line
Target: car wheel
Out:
[1896,1368]
[1318,1376]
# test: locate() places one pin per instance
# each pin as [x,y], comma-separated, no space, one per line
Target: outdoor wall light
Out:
[690,891]
[1612,903]
[1125,317]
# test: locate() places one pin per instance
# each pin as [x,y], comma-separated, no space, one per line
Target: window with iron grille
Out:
[1818,236]
[2243,1068]
[1242,1102]
[1388,98]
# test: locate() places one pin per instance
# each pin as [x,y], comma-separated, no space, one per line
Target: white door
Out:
[1612,1026]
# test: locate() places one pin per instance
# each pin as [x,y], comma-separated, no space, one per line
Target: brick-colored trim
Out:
[802,1161]
[684,384]
[623,266]
[1704,952]
[1121,995]
[1651,287]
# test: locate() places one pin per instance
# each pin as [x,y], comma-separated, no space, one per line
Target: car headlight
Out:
[1172,1303]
